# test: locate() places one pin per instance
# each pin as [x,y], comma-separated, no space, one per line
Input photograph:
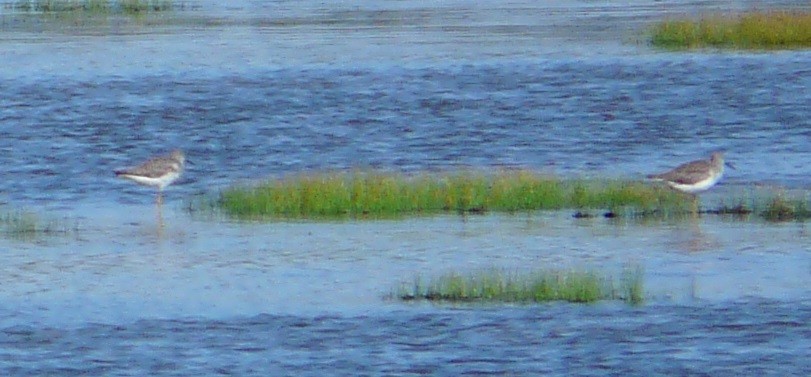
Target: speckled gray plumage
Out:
[158,166]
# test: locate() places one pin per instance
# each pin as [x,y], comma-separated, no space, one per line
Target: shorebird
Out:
[157,172]
[695,176]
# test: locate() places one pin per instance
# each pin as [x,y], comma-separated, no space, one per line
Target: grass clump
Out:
[775,204]
[781,209]
[375,194]
[531,287]
[752,30]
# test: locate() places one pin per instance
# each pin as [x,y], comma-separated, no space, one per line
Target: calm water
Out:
[276,88]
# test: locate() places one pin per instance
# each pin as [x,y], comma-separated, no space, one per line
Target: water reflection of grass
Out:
[538,286]
[753,30]
[21,225]
[380,195]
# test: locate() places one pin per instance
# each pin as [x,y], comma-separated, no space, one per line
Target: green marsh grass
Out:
[751,30]
[529,287]
[382,195]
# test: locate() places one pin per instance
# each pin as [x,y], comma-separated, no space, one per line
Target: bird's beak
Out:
[730,165]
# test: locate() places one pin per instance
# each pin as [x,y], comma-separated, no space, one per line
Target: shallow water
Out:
[129,268]
[609,117]
[197,297]
[749,339]
[277,88]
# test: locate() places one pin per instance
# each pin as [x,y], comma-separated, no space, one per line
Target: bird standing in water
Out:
[157,172]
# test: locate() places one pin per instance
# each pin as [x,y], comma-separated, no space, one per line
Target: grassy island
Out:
[381,195]
[752,30]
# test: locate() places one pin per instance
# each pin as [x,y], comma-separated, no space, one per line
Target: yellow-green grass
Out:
[751,30]
[529,287]
[380,195]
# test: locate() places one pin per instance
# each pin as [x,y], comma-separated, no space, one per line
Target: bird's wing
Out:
[687,173]
[153,168]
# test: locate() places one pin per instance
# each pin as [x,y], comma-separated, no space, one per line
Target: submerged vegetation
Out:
[538,286]
[92,6]
[376,195]
[752,30]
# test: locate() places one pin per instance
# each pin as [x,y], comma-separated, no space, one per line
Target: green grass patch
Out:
[384,195]
[751,30]
[19,225]
[530,287]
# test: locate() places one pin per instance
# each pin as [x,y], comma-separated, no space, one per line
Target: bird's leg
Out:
[159,199]
[160,225]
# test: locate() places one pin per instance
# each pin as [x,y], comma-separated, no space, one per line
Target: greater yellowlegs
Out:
[695,176]
[157,172]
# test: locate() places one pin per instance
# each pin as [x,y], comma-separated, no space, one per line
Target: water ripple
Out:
[580,118]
